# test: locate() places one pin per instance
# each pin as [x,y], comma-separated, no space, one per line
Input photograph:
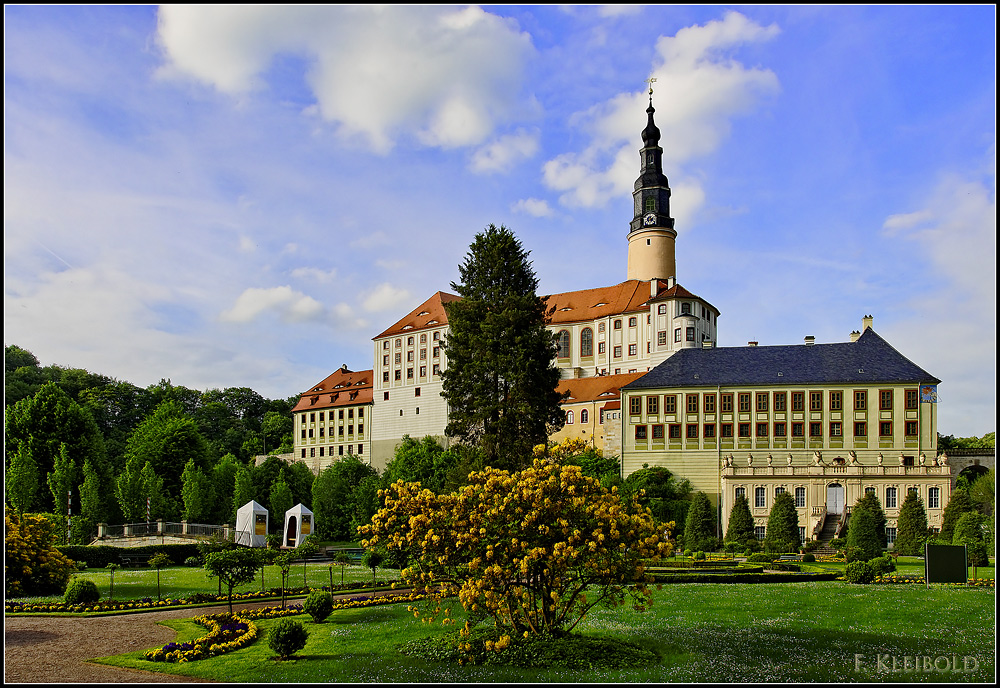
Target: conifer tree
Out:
[91,495]
[782,534]
[866,527]
[911,527]
[243,490]
[741,526]
[699,529]
[62,479]
[500,380]
[959,503]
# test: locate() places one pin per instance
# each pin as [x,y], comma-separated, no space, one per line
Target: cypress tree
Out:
[500,380]
[959,503]
[21,480]
[243,489]
[911,527]
[866,527]
[741,526]
[281,499]
[783,525]
[699,529]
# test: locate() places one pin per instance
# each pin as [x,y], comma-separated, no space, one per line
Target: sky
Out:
[230,196]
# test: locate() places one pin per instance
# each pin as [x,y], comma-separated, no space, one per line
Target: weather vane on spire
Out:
[650,82]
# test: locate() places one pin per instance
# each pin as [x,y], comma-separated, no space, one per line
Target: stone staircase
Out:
[827,534]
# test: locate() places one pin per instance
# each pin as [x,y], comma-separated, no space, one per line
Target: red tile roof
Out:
[341,388]
[430,313]
[600,388]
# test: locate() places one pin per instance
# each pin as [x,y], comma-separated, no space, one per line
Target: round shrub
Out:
[287,638]
[81,566]
[761,558]
[807,557]
[859,572]
[882,565]
[192,561]
[318,605]
[687,553]
[699,556]
[81,591]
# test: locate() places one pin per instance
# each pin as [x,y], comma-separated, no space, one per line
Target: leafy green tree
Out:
[911,527]
[970,527]
[117,408]
[782,533]
[22,375]
[281,500]
[160,503]
[62,479]
[335,497]
[866,527]
[365,502]
[233,567]
[197,492]
[699,527]
[21,480]
[243,490]
[946,442]
[277,431]
[372,559]
[129,492]
[741,525]
[959,503]
[46,421]
[167,439]
[658,490]
[422,461]
[223,478]
[500,381]
[158,561]
[92,491]
[284,560]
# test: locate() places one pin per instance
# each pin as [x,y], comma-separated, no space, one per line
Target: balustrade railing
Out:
[161,528]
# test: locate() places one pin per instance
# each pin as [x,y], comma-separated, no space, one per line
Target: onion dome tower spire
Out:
[651,233]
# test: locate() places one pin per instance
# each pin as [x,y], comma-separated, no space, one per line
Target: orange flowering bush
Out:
[535,550]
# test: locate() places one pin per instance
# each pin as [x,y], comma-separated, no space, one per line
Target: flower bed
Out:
[903,579]
[229,632]
[147,603]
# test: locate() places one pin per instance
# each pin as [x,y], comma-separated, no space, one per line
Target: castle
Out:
[647,381]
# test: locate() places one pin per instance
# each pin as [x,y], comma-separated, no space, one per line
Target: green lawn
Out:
[182,581]
[819,631]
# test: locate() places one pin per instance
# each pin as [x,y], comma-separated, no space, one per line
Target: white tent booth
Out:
[251,525]
[298,525]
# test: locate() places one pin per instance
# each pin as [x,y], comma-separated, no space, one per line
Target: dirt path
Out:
[48,649]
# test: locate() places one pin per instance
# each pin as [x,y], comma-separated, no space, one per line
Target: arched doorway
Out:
[835,498]
[292,534]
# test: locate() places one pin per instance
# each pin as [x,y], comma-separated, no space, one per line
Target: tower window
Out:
[650,202]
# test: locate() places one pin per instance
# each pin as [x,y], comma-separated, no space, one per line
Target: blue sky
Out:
[245,196]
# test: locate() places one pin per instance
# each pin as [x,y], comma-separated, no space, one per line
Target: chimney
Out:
[654,287]
[671,281]
[751,343]
[855,335]
[810,340]
[708,344]
[343,368]
[866,322]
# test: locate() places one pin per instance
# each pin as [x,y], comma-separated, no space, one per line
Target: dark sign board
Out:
[945,564]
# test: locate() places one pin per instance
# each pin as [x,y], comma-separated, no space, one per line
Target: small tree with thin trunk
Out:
[233,567]
[372,559]
[158,561]
[342,558]
[112,567]
[284,563]
[303,552]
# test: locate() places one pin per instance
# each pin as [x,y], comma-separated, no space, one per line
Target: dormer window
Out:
[685,309]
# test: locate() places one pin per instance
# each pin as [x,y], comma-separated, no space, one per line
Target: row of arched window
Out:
[584,417]
[586,343]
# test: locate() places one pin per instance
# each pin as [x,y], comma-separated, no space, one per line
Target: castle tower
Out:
[651,234]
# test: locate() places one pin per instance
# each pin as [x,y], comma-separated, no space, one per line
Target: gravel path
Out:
[47,649]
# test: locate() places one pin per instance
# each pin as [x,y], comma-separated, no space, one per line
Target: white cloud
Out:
[903,221]
[376,71]
[532,206]
[289,304]
[618,10]
[314,275]
[247,245]
[694,64]
[387,297]
[501,155]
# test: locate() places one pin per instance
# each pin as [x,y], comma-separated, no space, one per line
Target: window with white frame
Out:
[760,498]
[800,497]
[934,498]
[890,498]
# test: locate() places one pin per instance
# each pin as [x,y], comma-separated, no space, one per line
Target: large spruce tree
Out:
[911,528]
[500,380]
[959,503]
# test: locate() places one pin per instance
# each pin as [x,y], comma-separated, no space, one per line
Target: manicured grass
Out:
[913,566]
[819,631]
[182,581]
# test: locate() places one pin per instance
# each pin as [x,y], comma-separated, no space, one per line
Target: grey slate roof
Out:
[870,359]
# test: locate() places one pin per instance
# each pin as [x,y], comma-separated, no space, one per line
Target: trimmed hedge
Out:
[771,577]
[99,556]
